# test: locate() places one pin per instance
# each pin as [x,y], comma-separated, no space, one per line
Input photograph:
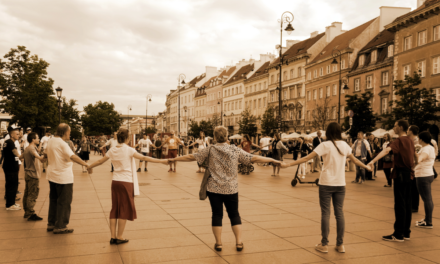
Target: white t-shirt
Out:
[202,143]
[17,145]
[121,160]
[112,143]
[59,169]
[358,150]
[333,170]
[424,168]
[265,141]
[43,141]
[145,145]
[26,143]
[433,142]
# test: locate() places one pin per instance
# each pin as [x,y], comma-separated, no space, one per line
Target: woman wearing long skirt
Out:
[124,185]
[334,152]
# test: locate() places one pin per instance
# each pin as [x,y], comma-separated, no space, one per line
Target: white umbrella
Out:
[379,133]
[315,134]
[292,136]
[392,134]
[236,136]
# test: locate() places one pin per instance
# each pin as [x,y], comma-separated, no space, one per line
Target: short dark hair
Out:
[62,129]
[368,134]
[404,124]
[359,132]
[425,137]
[122,135]
[31,137]
[414,129]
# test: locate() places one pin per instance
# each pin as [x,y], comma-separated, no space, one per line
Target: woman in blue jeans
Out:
[334,152]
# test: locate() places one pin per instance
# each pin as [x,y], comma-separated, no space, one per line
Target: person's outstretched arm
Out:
[149,159]
[95,164]
[78,160]
[382,154]
[359,163]
[302,160]
[262,159]
[185,158]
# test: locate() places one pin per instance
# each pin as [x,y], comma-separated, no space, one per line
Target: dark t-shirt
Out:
[403,150]
[10,163]
[246,145]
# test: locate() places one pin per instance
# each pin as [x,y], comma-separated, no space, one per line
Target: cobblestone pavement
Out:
[281,223]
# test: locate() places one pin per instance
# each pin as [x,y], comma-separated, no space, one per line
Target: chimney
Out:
[333,31]
[388,14]
[314,34]
[420,3]
[210,72]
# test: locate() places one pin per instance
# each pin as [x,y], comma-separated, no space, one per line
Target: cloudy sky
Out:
[121,50]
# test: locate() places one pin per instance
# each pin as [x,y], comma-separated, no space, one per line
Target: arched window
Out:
[272,79]
[291,74]
[299,71]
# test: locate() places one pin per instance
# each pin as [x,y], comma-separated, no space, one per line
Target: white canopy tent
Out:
[291,136]
[236,136]
[379,133]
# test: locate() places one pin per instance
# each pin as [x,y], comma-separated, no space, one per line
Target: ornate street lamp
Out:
[181,80]
[335,54]
[128,121]
[146,113]
[59,93]
[286,17]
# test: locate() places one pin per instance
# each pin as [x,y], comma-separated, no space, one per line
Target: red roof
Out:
[241,74]
[197,79]
[207,83]
[342,41]
[200,92]
[426,4]
[261,70]
[299,48]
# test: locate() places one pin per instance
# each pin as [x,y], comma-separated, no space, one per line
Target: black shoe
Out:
[119,241]
[111,171]
[63,231]
[112,241]
[393,238]
[145,169]
[34,217]
[139,170]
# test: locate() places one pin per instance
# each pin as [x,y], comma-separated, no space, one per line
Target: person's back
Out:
[265,142]
[60,165]
[122,159]
[403,150]
[333,170]
[425,167]
[32,166]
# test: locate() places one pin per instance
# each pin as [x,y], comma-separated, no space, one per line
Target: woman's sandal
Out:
[240,247]
[218,247]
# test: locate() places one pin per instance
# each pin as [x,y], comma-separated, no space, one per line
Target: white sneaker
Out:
[13,208]
[303,177]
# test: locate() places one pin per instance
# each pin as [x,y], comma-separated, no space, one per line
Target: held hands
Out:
[370,166]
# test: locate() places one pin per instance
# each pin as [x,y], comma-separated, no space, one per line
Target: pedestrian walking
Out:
[376,149]
[304,149]
[246,145]
[387,160]
[11,168]
[334,153]
[277,153]
[172,142]
[403,150]
[144,144]
[60,176]
[112,143]
[201,143]
[424,176]
[222,188]
[33,166]
[157,143]
[125,184]
[84,154]
[317,166]
[361,149]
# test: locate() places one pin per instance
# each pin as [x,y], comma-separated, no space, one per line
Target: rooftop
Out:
[261,70]
[241,74]
[426,4]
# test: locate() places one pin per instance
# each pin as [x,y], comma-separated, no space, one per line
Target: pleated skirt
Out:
[123,201]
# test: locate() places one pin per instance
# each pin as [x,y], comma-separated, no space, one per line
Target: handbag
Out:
[204,185]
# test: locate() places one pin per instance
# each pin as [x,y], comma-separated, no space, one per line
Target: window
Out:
[292,92]
[384,105]
[334,89]
[328,91]
[246,105]
[321,71]
[436,33]
[255,88]
[271,97]
[343,64]
[315,74]
[236,105]
[239,105]
[321,93]
[385,80]
[259,87]
[436,65]
[309,76]
[285,76]
[272,79]
[361,60]
[328,69]
[264,101]
[335,67]
[422,38]
[309,95]
[406,69]
[333,112]
[370,82]
[264,85]
[357,85]
[255,104]
[247,89]
[342,113]
[407,43]
[308,115]
[299,92]
[437,95]
[374,56]
[390,51]
[259,103]
[421,67]
[314,94]
[300,70]
[291,74]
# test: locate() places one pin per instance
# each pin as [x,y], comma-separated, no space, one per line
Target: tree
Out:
[100,118]
[207,128]
[364,119]
[27,92]
[150,130]
[70,116]
[321,114]
[216,120]
[417,105]
[247,123]
[268,122]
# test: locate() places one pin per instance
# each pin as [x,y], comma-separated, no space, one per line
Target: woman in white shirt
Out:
[124,185]
[202,143]
[425,176]
[334,152]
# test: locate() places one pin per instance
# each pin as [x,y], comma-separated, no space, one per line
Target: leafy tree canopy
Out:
[363,120]
[100,118]
[268,122]
[247,123]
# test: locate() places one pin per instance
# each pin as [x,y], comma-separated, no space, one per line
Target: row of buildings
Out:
[386,48]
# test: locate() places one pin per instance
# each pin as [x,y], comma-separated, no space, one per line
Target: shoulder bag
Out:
[204,185]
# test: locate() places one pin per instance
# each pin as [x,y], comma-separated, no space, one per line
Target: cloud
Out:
[120,51]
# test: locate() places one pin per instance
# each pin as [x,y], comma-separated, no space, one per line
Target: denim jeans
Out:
[59,207]
[30,196]
[360,172]
[231,203]
[335,194]
[402,202]
[424,186]
[11,187]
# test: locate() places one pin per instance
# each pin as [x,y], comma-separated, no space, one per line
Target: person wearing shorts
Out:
[173,145]
[144,144]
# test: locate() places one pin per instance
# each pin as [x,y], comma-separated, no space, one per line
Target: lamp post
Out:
[337,53]
[286,17]
[59,92]
[128,121]
[186,118]
[146,113]
[181,80]
[221,111]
